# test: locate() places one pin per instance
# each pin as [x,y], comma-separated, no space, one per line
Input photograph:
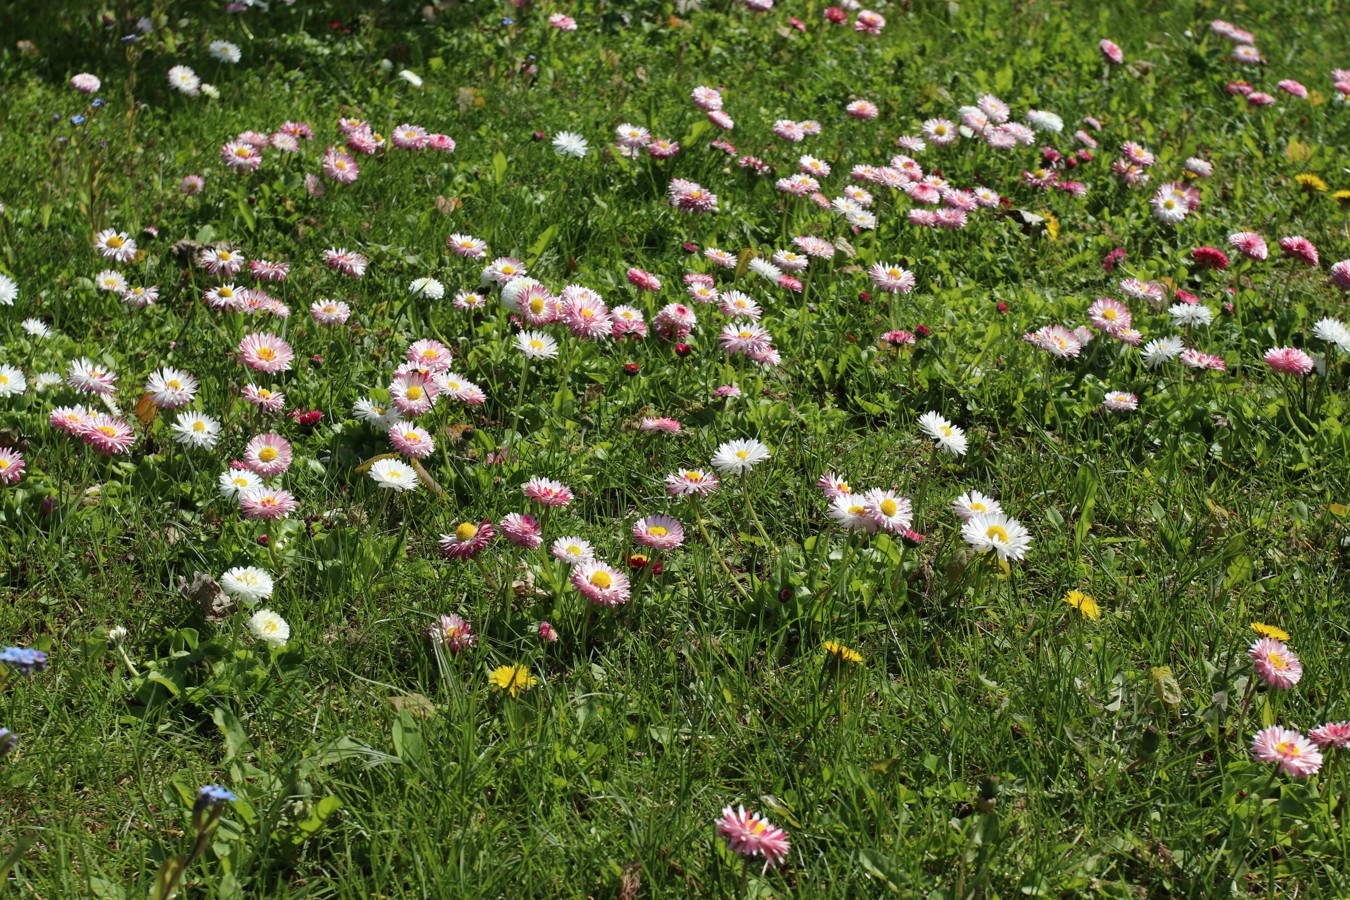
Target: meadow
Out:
[668,448]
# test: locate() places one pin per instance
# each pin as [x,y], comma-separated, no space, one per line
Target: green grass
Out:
[366,766]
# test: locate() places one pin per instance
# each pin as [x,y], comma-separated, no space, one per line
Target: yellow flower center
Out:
[695,477]
[856,510]
[241,482]
[745,334]
[414,392]
[175,384]
[996,533]
[1276,660]
[199,425]
[267,354]
[888,506]
[243,152]
[601,580]
[264,393]
[466,531]
[1109,314]
[1287,748]
[742,454]
[658,530]
[115,242]
[946,430]
[536,344]
[587,314]
[978,507]
[4,464]
[412,437]
[226,293]
[267,454]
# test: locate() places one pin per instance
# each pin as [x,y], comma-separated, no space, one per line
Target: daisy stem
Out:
[703,533]
[520,399]
[745,487]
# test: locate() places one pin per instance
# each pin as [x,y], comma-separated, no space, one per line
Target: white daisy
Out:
[997,532]
[973,503]
[196,430]
[235,482]
[394,475]
[735,457]
[270,627]
[569,143]
[949,437]
[247,584]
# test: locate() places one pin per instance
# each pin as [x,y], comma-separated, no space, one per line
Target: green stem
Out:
[703,533]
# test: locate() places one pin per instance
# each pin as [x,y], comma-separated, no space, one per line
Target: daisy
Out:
[330,312]
[1169,206]
[269,628]
[410,137]
[1291,751]
[1333,331]
[658,532]
[691,482]
[457,387]
[9,290]
[411,440]
[12,382]
[1332,734]
[115,245]
[1340,274]
[536,345]
[1161,350]
[939,132]
[749,834]
[1288,360]
[862,109]
[347,262]
[394,475]
[1056,340]
[240,156]
[891,278]
[888,510]
[469,300]
[1300,248]
[748,338]
[973,503]
[997,532]
[11,466]
[108,434]
[185,81]
[1275,663]
[851,512]
[467,245]
[1249,244]
[584,313]
[453,633]
[413,393]
[170,388]
[1042,120]
[70,419]
[265,353]
[833,486]
[264,398]
[600,583]
[247,584]
[1120,401]
[628,320]
[268,455]
[107,280]
[707,98]
[468,540]
[739,457]
[86,83]
[1109,315]
[194,429]
[522,530]
[88,378]
[633,136]
[223,51]
[1189,315]
[1195,359]
[765,269]
[547,492]
[720,257]
[569,143]
[572,550]
[949,437]
[235,482]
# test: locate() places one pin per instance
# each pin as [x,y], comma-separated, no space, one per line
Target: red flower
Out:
[1210,258]
[922,330]
[683,350]
[836,15]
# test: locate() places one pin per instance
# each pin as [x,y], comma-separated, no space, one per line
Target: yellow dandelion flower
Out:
[1270,631]
[1342,197]
[1084,604]
[1310,182]
[512,679]
[840,653]
[1052,226]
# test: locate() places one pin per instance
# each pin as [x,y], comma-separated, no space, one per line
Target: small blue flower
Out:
[8,741]
[507,20]
[130,38]
[24,659]
[211,795]
[98,101]
[77,119]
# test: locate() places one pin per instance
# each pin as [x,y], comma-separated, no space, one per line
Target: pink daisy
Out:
[522,530]
[752,835]
[330,312]
[1300,248]
[1111,51]
[267,503]
[432,354]
[1332,734]
[1109,315]
[413,393]
[658,532]
[453,633]
[340,167]
[265,353]
[268,270]
[1275,663]
[584,313]
[108,434]
[643,280]
[268,455]
[468,540]
[1288,360]
[1210,258]
[70,419]
[411,440]
[11,466]
[466,245]
[264,398]
[691,482]
[349,263]
[600,583]
[651,423]
[547,492]
[1249,244]
[410,137]
[1291,751]
[1340,274]
[240,156]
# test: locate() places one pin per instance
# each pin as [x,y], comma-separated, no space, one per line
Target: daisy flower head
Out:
[1197,359]
[1332,734]
[70,419]
[234,482]
[738,457]
[345,262]
[268,455]
[12,382]
[869,22]
[973,503]
[264,398]
[9,289]
[90,378]
[569,143]
[453,634]
[891,278]
[1275,663]
[814,246]
[536,345]
[330,312]
[852,513]
[196,430]
[411,440]
[240,156]
[469,300]
[247,584]
[265,353]
[1120,401]
[468,540]
[512,680]
[1189,315]
[600,583]
[691,197]
[457,387]
[410,137]
[11,466]
[467,245]
[394,475]
[107,280]
[998,532]
[747,338]
[1288,361]
[750,834]
[1340,274]
[547,492]
[862,109]
[1109,315]
[1170,206]
[585,313]
[413,393]
[766,270]
[833,486]
[1249,244]
[888,510]
[628,320]
[86,83]
[185,81]
[504,269]
[572,550]
[662,424]
[1043,120]
[1301,249]
[939,132]
[949,437]
[522,530]
[658,532]
[170,388]
[1161,350]
[632,136]
[269,628]
[707,98]
[115,245]
[1334,332]
[1293,753]
[108,435]
[1055,340]
[691,483]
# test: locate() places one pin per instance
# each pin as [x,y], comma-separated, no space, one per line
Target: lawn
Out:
[666,449]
